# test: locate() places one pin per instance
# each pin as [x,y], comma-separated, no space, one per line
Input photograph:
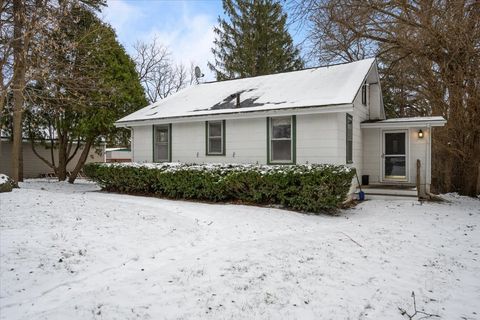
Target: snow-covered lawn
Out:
[71,252]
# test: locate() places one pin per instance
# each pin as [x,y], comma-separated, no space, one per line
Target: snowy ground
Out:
[71,252]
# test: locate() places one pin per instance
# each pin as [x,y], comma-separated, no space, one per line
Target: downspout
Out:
[131,143]
[104,151]
[428,164]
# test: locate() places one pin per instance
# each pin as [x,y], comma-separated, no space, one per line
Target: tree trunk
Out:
[478,179]
[18,84]
[3,96]
[81,161]
[62,159]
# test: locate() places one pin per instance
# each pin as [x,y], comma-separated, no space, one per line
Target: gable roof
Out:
[315,87]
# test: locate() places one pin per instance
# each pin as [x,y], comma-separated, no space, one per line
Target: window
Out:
[364,93]
[349,138]
[215,138]
[161,143]
[281,133]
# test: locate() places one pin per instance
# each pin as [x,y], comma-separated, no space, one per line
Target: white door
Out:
[395,155]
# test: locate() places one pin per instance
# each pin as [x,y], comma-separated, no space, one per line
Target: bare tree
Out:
[159,75]
[429,53]
[329,42]
[23,25]
[6,59]
[88,83]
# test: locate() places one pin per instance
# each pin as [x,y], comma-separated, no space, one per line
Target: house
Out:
[33,166]
[331,114]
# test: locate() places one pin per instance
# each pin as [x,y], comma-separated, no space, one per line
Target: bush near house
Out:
[6,183]
[311,188]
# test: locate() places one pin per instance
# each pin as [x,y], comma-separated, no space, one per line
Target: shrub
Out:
[312,188]
[6,183]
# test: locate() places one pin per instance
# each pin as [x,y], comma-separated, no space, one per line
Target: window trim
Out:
[293,140]
[347,160]
[169,145]
[365,94]
[222,137]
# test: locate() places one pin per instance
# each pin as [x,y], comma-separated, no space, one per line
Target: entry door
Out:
[161,152]
[395,155]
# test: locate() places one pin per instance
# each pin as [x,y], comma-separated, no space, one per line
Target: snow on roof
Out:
[436,121]
[414,119]
[322,86]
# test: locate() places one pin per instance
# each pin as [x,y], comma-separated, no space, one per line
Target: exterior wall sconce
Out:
[420,134]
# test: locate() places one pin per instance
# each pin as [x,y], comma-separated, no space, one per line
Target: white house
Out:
[331,114]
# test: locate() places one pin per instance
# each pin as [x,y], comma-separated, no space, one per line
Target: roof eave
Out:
[348,107]
[404,124]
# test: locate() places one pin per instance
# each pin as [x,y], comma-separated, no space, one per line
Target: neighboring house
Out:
[33,167]
[331,114]
[118,155]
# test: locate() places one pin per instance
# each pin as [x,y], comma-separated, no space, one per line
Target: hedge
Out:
[311,188]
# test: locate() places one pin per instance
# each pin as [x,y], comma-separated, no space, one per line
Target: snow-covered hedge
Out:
[6,183]
[312,188]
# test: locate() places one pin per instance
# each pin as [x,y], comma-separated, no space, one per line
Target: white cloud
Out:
[121,15]
[190,40]
[188,35]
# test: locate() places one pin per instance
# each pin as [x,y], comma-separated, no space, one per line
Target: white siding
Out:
[372,151]
[246,141]
[360,114]
[247,138]
[142,144]
[375,102]
[418,150]
[33,167]
[188,142]
[318,138]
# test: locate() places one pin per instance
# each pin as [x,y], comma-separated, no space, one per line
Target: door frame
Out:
[407,155]
[154,142]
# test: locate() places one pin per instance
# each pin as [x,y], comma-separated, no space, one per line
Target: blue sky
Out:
[186,27]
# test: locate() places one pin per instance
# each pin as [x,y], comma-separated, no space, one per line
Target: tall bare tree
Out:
[158,73]
[430,53]
[6,59]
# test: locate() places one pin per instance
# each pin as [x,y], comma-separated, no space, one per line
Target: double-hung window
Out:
[161,143]
[349,138]
[281,144]
[215,138]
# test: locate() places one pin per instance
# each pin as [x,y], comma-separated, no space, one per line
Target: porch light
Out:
[420,134]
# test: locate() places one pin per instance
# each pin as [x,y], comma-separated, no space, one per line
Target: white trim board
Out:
[401,123]
[383,178]
[240,115]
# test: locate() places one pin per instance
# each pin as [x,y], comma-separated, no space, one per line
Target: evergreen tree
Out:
[253,40]
[90,83]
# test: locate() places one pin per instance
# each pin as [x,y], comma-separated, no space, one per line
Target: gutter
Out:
[240,115]
[405,124]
